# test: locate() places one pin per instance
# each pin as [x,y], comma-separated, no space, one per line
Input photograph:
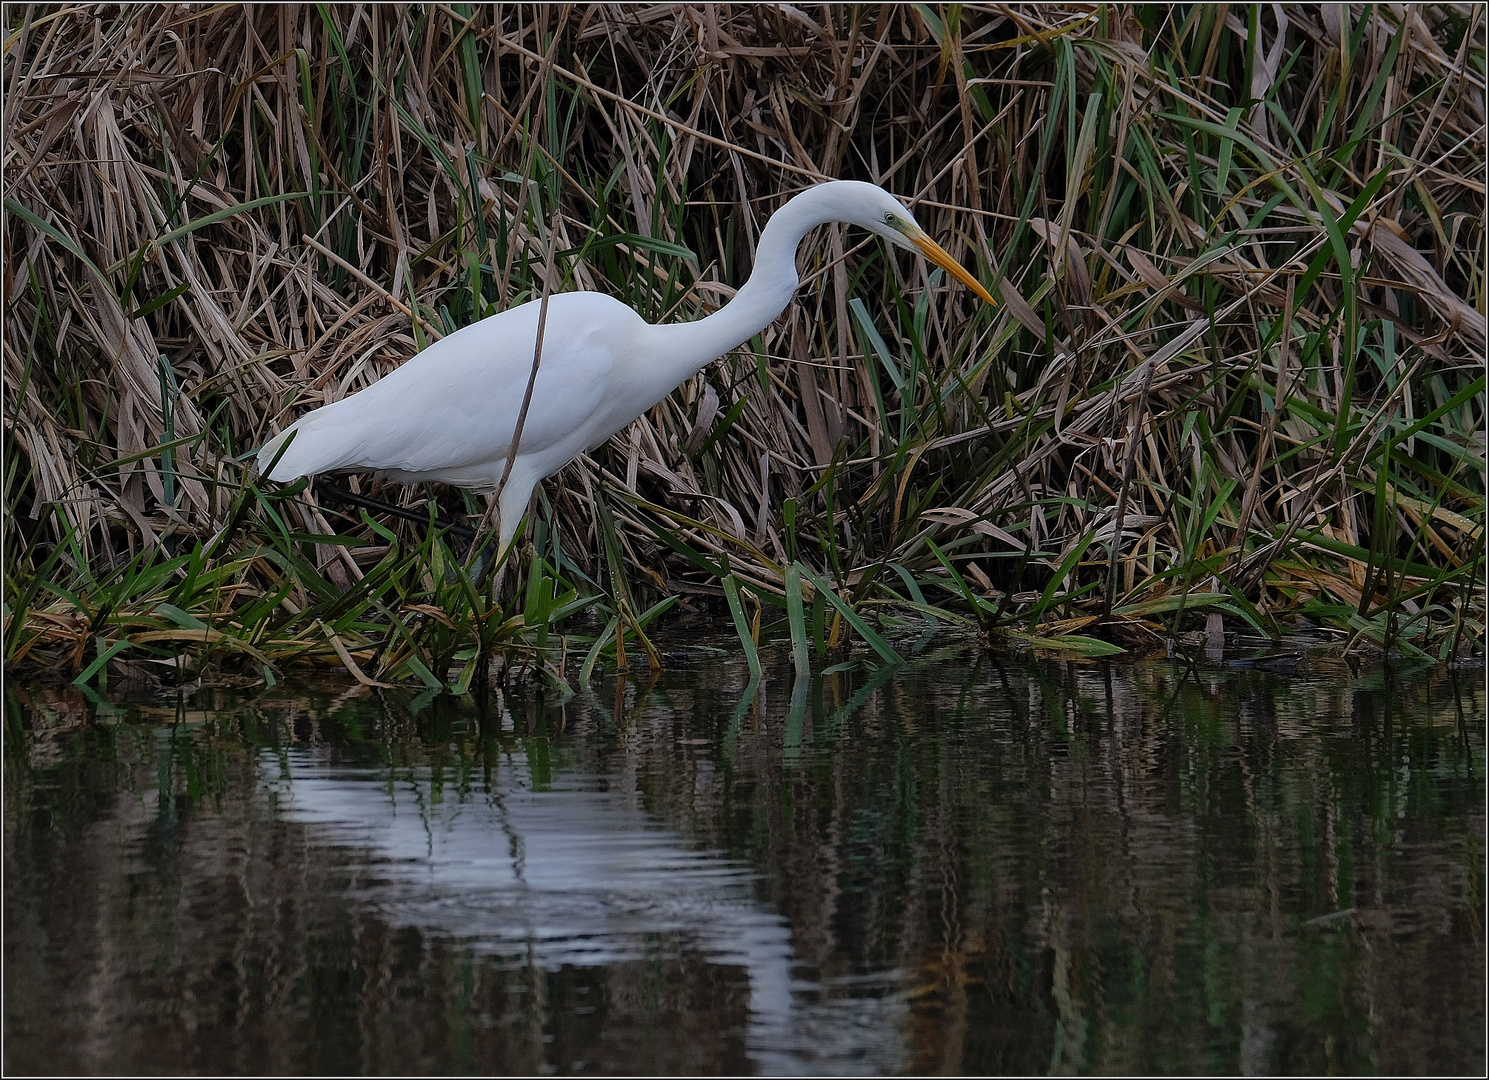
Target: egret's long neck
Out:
[684,348]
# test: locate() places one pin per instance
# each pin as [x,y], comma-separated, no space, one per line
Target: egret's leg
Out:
[485,550]
[331,493]
[511,505]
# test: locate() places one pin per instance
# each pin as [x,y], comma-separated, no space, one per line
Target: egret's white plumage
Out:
[448,414]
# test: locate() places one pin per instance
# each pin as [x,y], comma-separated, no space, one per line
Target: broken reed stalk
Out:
[527,400]
[1129,459]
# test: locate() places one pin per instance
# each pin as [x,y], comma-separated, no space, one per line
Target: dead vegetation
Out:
[1238,364]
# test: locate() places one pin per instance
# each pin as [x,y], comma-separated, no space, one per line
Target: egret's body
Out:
[449,413]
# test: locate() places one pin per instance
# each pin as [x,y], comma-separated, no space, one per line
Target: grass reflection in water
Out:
[967,865]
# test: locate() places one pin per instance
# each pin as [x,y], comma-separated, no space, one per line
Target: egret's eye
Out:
[889,219]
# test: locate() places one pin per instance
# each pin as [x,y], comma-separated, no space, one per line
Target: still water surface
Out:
[971,865]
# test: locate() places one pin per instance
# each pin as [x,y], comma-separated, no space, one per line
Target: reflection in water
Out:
[965,866]
[574,874]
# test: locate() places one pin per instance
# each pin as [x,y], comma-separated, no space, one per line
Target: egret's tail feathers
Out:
[315,448]
[269,455]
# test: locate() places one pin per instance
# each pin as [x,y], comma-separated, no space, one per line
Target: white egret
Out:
[449,413]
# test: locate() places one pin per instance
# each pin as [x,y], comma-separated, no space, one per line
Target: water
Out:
[973,865]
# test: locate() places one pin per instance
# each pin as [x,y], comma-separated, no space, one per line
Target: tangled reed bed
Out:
[1237,370]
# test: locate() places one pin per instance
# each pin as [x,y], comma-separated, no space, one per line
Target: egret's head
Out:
[880,212]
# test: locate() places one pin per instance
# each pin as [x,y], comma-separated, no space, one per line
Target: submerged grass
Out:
[1237,370]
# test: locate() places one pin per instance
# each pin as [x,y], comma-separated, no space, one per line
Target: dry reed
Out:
[1237,369]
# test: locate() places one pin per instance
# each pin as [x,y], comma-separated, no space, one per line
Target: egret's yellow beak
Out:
[938,255]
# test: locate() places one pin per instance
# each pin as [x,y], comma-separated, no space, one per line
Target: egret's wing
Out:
[464,413]
[455,405]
